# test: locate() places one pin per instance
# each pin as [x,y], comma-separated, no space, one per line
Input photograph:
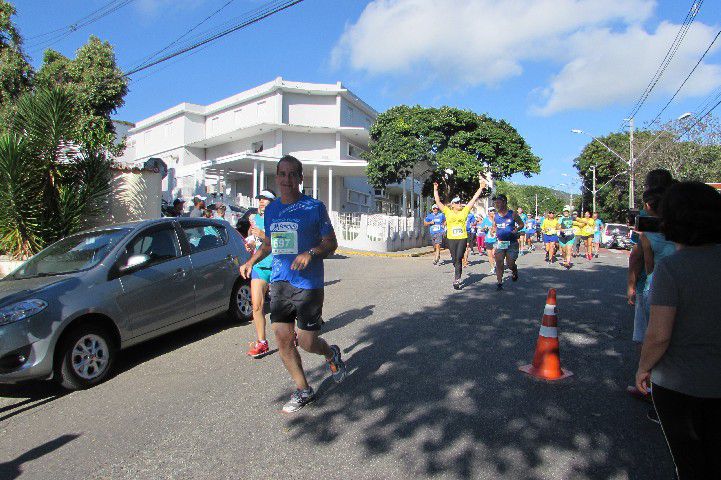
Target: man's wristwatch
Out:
[312,252]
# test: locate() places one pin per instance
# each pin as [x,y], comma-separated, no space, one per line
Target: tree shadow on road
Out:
[439,390]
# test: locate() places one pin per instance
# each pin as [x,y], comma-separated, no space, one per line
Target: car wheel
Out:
[241,306]
[85,357]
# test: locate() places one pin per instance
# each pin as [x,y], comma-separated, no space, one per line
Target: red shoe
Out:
[258,349]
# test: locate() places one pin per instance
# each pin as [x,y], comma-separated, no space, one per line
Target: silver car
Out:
[67,311]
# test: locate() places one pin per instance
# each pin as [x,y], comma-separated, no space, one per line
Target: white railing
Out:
[378,232]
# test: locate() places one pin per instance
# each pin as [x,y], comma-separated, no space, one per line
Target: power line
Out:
[89,19]
[284,5]
[678,39]
[687,77]
[153,55]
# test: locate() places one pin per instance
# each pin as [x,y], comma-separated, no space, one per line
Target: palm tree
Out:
[49,184]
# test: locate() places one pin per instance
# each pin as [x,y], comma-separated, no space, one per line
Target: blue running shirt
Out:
[504,226]
[293,229]
[267,262]
[437,219]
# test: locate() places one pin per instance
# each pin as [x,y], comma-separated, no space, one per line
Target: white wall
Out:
[259,110]
[310,146]
[243,145]
[352,116]
[311,110]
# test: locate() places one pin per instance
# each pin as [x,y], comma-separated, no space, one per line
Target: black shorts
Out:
[289,304]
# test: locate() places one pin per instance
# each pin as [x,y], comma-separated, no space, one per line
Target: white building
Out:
[229,149]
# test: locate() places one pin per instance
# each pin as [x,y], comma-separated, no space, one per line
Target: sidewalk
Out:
[411,252]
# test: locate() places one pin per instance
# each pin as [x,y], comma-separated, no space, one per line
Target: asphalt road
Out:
[433,390]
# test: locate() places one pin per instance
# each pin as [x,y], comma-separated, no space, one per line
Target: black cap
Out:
[500,196]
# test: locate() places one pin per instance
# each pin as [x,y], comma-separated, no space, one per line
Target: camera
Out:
[647,224]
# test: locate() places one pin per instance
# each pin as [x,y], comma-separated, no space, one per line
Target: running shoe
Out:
[258,349]
[514,274]
[493,271]
[499,287]
[435,262]
[337,365]
[299,399]
[546,256]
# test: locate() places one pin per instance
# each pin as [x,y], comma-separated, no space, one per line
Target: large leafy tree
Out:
[97,84]
[696,155]
[526,196]
[51,185]
[15,71]
[427,142]
[92,77]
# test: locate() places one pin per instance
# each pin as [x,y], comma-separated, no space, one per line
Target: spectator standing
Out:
[178,207]
[681,353]
[198,207]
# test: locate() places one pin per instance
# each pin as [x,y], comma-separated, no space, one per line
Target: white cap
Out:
[200,197]
[265,194]
[456,200]
[434,206]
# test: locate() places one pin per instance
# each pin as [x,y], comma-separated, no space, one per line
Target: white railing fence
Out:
[378,232]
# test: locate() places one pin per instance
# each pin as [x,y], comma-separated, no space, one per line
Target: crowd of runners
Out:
[504,234]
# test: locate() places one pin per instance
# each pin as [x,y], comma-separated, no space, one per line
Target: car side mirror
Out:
[134,261]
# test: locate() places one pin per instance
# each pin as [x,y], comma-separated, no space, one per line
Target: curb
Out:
[362,253]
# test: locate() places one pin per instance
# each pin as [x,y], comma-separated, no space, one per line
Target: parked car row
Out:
[67,311]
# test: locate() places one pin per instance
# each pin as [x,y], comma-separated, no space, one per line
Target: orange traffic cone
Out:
[546,361]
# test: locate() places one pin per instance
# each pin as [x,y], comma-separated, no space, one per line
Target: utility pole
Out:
[593,169]
[631,172]
[536,204]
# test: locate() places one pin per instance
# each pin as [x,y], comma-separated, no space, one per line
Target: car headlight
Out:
[21,310]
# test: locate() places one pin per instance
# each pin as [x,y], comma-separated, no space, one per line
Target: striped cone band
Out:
[549,309]
[548,332]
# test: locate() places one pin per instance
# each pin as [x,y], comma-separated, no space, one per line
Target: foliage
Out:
[695,156]
[426,141]
[524,196]
[97,85]
[51,185]
[92,77]
[15,71]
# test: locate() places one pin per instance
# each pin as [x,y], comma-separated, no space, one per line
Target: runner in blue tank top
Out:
[506,225]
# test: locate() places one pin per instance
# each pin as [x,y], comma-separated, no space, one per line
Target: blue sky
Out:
[546,66]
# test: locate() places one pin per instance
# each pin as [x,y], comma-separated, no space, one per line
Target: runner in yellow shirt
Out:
[456,216]
[549,227]
[588,225]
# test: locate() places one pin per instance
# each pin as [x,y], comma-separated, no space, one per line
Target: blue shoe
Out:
[337,365]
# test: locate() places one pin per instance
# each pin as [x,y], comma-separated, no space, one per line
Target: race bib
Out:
[503,244]
[568,231]
[457,231]
[284,243]
[435,228]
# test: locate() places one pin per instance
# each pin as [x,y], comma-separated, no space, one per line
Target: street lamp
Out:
[631,163]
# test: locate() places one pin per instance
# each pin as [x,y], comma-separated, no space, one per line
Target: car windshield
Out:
[71,254]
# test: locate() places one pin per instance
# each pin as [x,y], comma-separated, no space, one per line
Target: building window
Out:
[355,151]
[379,192]
[256,147]
[358,198]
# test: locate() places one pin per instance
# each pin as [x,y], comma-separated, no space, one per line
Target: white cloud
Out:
[598,48]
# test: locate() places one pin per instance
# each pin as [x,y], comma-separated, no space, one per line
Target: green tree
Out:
[695,155]
[426,142]
[98,86]
[51,186]
[524,196]
[15,72]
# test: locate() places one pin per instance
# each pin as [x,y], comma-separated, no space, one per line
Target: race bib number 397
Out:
[284,243]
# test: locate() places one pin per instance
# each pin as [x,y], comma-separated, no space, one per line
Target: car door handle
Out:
[179,273]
